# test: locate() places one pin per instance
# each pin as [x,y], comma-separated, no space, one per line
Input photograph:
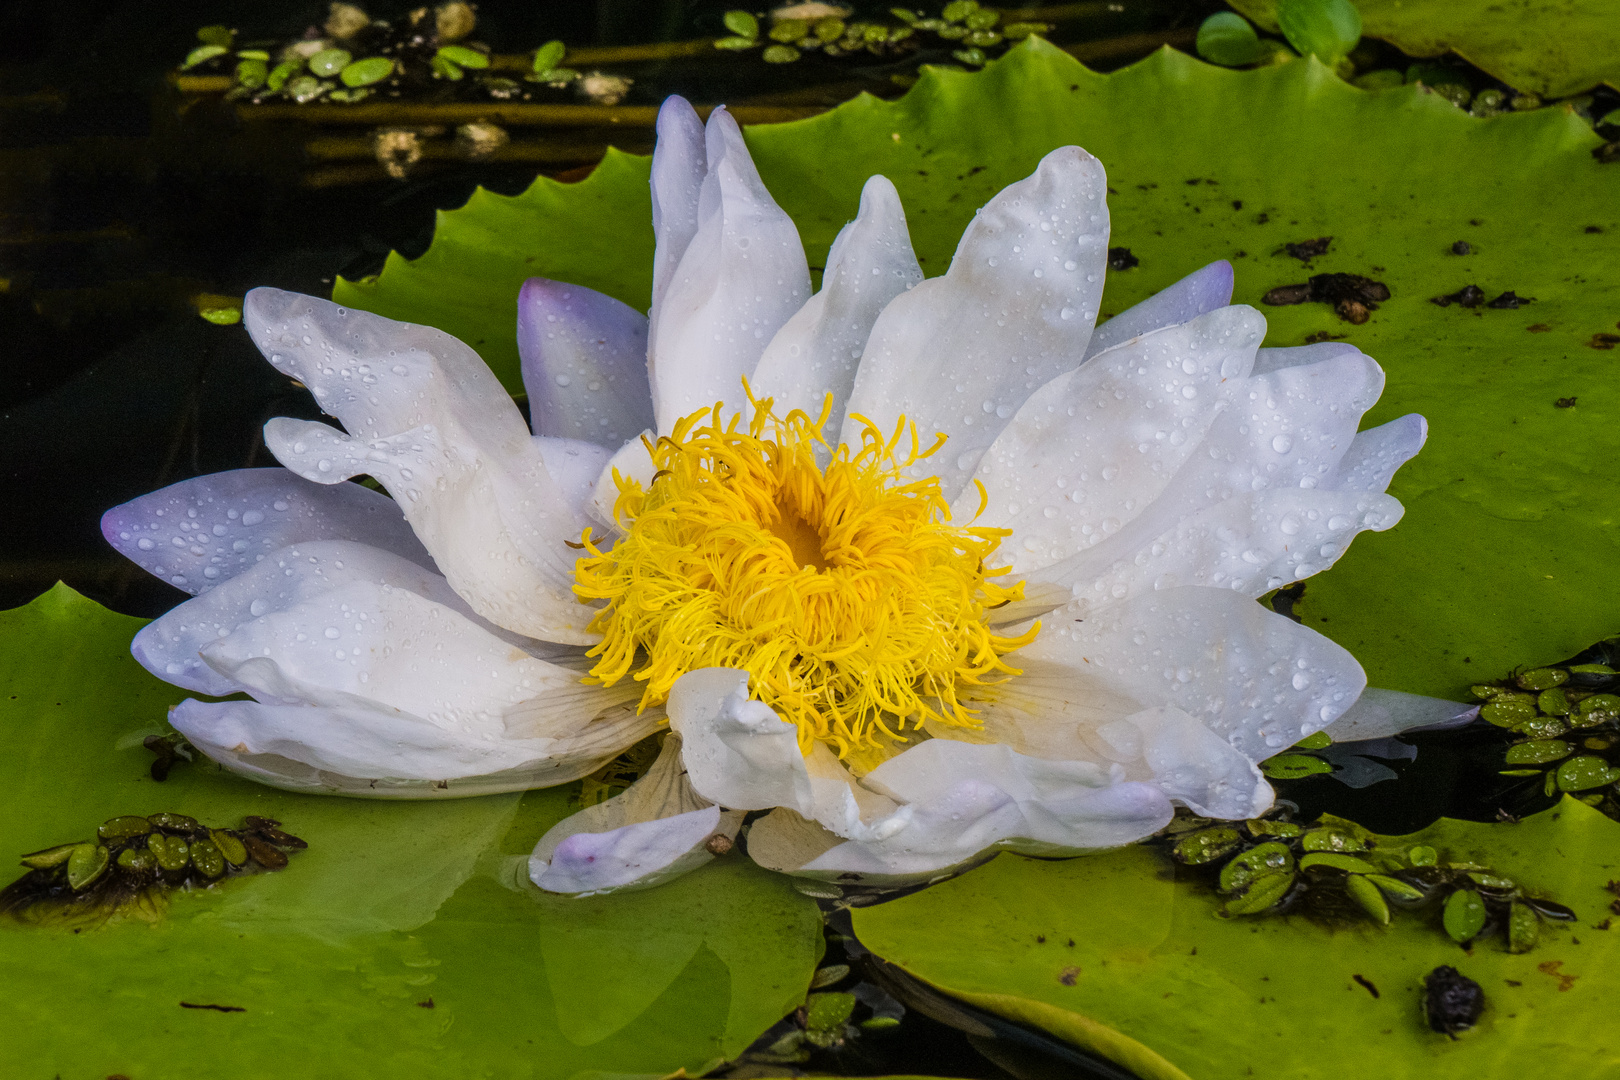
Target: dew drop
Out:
[1282,443]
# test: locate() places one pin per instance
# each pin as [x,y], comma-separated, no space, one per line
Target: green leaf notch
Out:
[1508,521]
[1552,47]
[394,906]
[1109,952]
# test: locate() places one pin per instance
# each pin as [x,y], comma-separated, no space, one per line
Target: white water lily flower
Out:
[921,569]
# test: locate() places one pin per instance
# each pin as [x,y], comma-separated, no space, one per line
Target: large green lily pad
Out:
[1508,537]
[1110,952]
[405,941]
[1552,47]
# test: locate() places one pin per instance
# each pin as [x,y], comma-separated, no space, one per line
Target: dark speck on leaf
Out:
[1068,976]
[1538,328]
[1237,204]
[1476,221]
[215,1008]
[1306,250]
[1120,258]
[1366,982]
[1608,153]
[1604,341]
[1468,296]
[1451,1000]
[428,1004]
[1565,403]
[1351,295]
[1284,295]
[1322,335]
[1261,218]
[1510,300]
[1594,228]
[1462,247]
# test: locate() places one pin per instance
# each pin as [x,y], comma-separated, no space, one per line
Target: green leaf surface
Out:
[1509,529]
[393,905]
[1112,953]
[1553,47]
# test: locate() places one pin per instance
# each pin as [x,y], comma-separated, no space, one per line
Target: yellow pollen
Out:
[842,589]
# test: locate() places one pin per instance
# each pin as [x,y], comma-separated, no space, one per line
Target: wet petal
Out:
[1276,359]
[1200,291]
[1375,454]
[1197,768]
[960,353]
[1379,714]
[432,424]
[741,277]
[169,645]
[1093,447]
[206,530]
[574,466]
[817,351]
[584,363]
[679,163]
[737,752]
[1258,680]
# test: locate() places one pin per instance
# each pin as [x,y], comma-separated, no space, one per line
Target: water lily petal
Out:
[1197,768]
[433,425]
[632,461]
[1379,714]
[584,363]
[679,163]
[204,531]
[737,752]
[574,466]
[1251,543]
[368,645]
[1200,291]
[741,277]
[1258,680]
[169,645]
[960,353]
[1275,359]
[817,351]
[1095,445]
[366,753]
[958,799]
[1375,454]
[656,830]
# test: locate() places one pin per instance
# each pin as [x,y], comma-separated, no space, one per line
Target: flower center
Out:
[843,589]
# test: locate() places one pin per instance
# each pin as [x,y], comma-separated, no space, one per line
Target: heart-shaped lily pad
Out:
[406,941]
[1508,529]
[1552,47]
[1112,953]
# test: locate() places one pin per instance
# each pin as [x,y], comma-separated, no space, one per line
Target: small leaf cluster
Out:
[1293,765]
[131,855]
[1567,717]
[827,1020]
[962,26]
[1336,869]
[1328,29]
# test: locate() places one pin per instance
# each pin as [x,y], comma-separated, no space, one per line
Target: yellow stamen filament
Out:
[844,591]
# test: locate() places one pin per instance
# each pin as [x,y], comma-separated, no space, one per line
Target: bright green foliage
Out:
[549,55]
[1509,507]
[393,905]
[1551,47]
[1228,39]
[1327,29]
[1156,981]
[741,23]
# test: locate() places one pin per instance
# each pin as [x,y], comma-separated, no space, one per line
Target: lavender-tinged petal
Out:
[679,164]
[584,363]
[641,855]
[1200,291]
[204,531]
[1375,454]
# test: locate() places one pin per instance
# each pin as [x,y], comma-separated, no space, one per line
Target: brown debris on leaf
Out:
[1120,258]
[1469,296]
[1353,297]
[1306,250]
[1509,301]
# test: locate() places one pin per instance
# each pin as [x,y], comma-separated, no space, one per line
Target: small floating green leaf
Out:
[1395,887]
[1228,39]
[779,54]
[462,56]
[1261,894]
[1348,863]
[1524,927]
[1206,846]
[825,1012]
[549,55]
[1293,766]
[1585,772]
[741,23]
[1537,752]
[85,864]
[1328,28]
[329,62]
[1542,678]
[123,828]
[372,69]
[49,857]
[218,35]
[1271,858]
[202,54]
[1372,901]
[1464,915]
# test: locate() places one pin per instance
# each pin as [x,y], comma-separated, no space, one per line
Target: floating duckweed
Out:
[1585,772]
[1368,896]
[281,73]
[826,1012]
[1524,928]
[1509,710]
[1293,766]
[462,56]
[788,31]
[1463,916]
[217,35]
[1271,867]
[252,73]
[330,62]
[1206,846]
[372,69]
[1541,678]
[829,30]
[137,859]
[1315,741]
[780,54]
[201,55]
[548,56]
[741,23]
[306,88]
[1553,702]
[1537,752]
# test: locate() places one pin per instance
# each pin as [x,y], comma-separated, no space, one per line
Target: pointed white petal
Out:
[574,466]
[363,645]
[737,752]
[1256,679]
[206,530]
[1375,454]
[1093,447]
[1194,766]
[169,645]
[1198,292]
[584,363]
[1379,714]
[1276,359]
[679,164]
[960,353]
[817,351]
[429,420]
[741,277]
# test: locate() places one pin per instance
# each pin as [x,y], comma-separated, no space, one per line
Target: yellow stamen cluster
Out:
[843,589]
